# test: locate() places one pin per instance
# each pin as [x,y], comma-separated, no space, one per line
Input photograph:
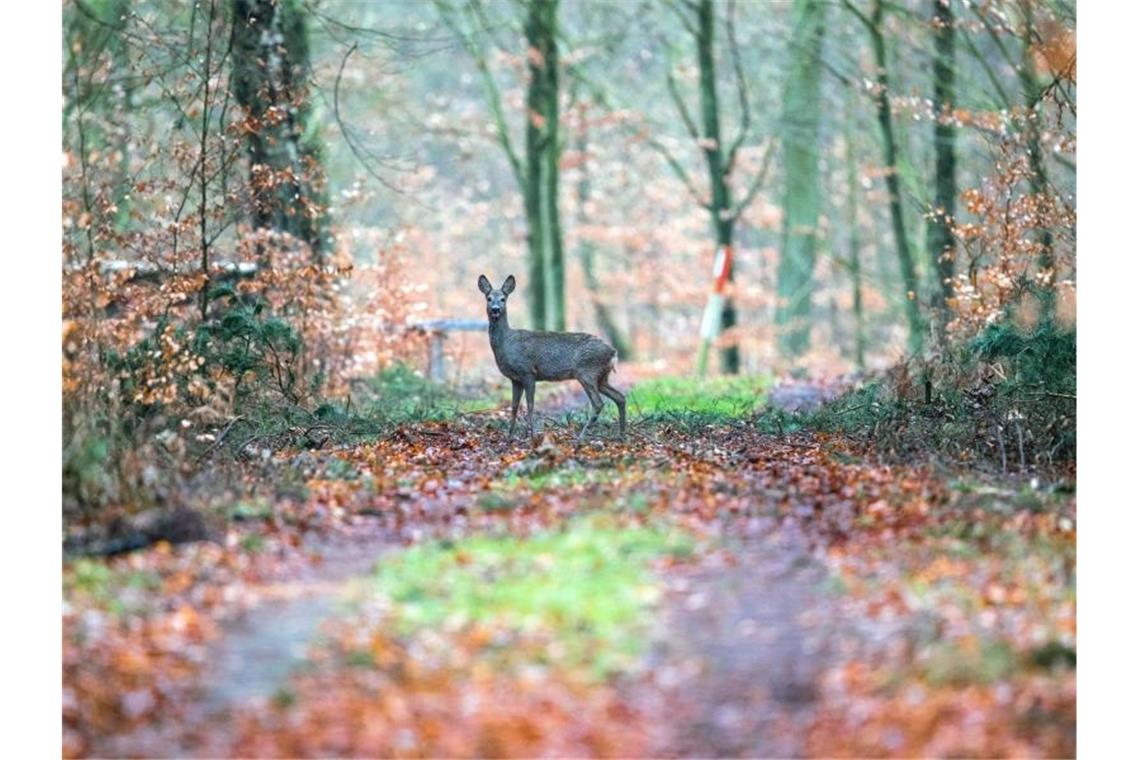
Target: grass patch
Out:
[714,398]
[555,479]
[956,665]
[252,543]
[340,469]
[120,591]
[252,510]
[400,394]
[396,396]
[587,589]
[496,502]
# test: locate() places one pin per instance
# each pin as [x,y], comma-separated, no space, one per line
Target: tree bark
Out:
[271,62]
[203,172]
[854,260]
[533,179]
[940,234]
[555,267]
[720,209]
[801,180]
[890,159]
[1038,178]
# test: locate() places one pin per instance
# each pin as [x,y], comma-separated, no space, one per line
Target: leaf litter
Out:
[719,592]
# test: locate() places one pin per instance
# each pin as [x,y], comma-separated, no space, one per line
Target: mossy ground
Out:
[587,587]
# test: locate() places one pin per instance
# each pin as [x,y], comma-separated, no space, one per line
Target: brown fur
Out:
[527,356]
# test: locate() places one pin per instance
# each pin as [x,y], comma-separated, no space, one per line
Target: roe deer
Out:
[525,356]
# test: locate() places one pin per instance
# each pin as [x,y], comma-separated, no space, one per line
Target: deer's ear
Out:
[484,285]
[509,285]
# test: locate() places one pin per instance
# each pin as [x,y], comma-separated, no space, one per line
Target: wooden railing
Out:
[437,330]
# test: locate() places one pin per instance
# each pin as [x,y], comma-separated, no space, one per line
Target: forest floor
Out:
[697,589]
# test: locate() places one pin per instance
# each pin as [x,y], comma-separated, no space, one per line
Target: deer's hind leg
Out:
[618,398]
[595,403]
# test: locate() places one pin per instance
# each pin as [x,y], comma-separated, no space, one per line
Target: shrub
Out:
[1006,399]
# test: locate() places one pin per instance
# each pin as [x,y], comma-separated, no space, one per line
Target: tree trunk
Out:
[940,235]
[533,184]
[121,61]
[203,169]
[721,205]
[890,159]
[313,221]
[855,263]
[801,183]
[271,62]
[1038,179]
[555,267]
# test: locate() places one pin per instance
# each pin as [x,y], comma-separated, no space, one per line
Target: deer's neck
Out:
[498,329]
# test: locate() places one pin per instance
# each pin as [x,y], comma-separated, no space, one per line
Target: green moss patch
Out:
[717,396]
[586,590]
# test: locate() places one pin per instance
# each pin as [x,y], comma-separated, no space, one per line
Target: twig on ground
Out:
[1001,447]
[220,439]
[855,408]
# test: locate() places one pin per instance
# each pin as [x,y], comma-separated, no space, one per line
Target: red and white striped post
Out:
[710,322]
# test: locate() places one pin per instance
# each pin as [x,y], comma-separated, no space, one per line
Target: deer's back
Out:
[552,355]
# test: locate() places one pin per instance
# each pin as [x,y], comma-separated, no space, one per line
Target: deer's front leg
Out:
[528,385]
[516,396]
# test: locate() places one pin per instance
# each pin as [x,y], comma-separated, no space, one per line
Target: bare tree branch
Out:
[494,99]
[863,19]
[741,89]
[348,138]
[678,101]
[675,5]
[679,170]
[757,181]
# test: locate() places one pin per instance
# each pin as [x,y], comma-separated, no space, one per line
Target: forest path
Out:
[737,672]
[749,641]
[761,581]
[259,650]
[736,675]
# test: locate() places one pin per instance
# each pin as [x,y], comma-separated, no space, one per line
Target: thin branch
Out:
[863,19]
[987,22]
[356,150]
[220,439]
[203,211]
[679,102]
[685,21]
[679,170]
[741,90]
[986,67]
[757,181]
[494,99]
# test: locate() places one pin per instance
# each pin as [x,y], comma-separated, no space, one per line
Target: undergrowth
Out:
[1006,400]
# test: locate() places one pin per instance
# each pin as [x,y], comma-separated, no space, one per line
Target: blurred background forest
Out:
[267,203]
[833,242]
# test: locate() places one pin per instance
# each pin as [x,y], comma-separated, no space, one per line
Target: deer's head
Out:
[496,299]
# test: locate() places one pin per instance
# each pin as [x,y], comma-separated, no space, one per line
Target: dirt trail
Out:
[737,678]
[748,626]
[748,641]
[258,651]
